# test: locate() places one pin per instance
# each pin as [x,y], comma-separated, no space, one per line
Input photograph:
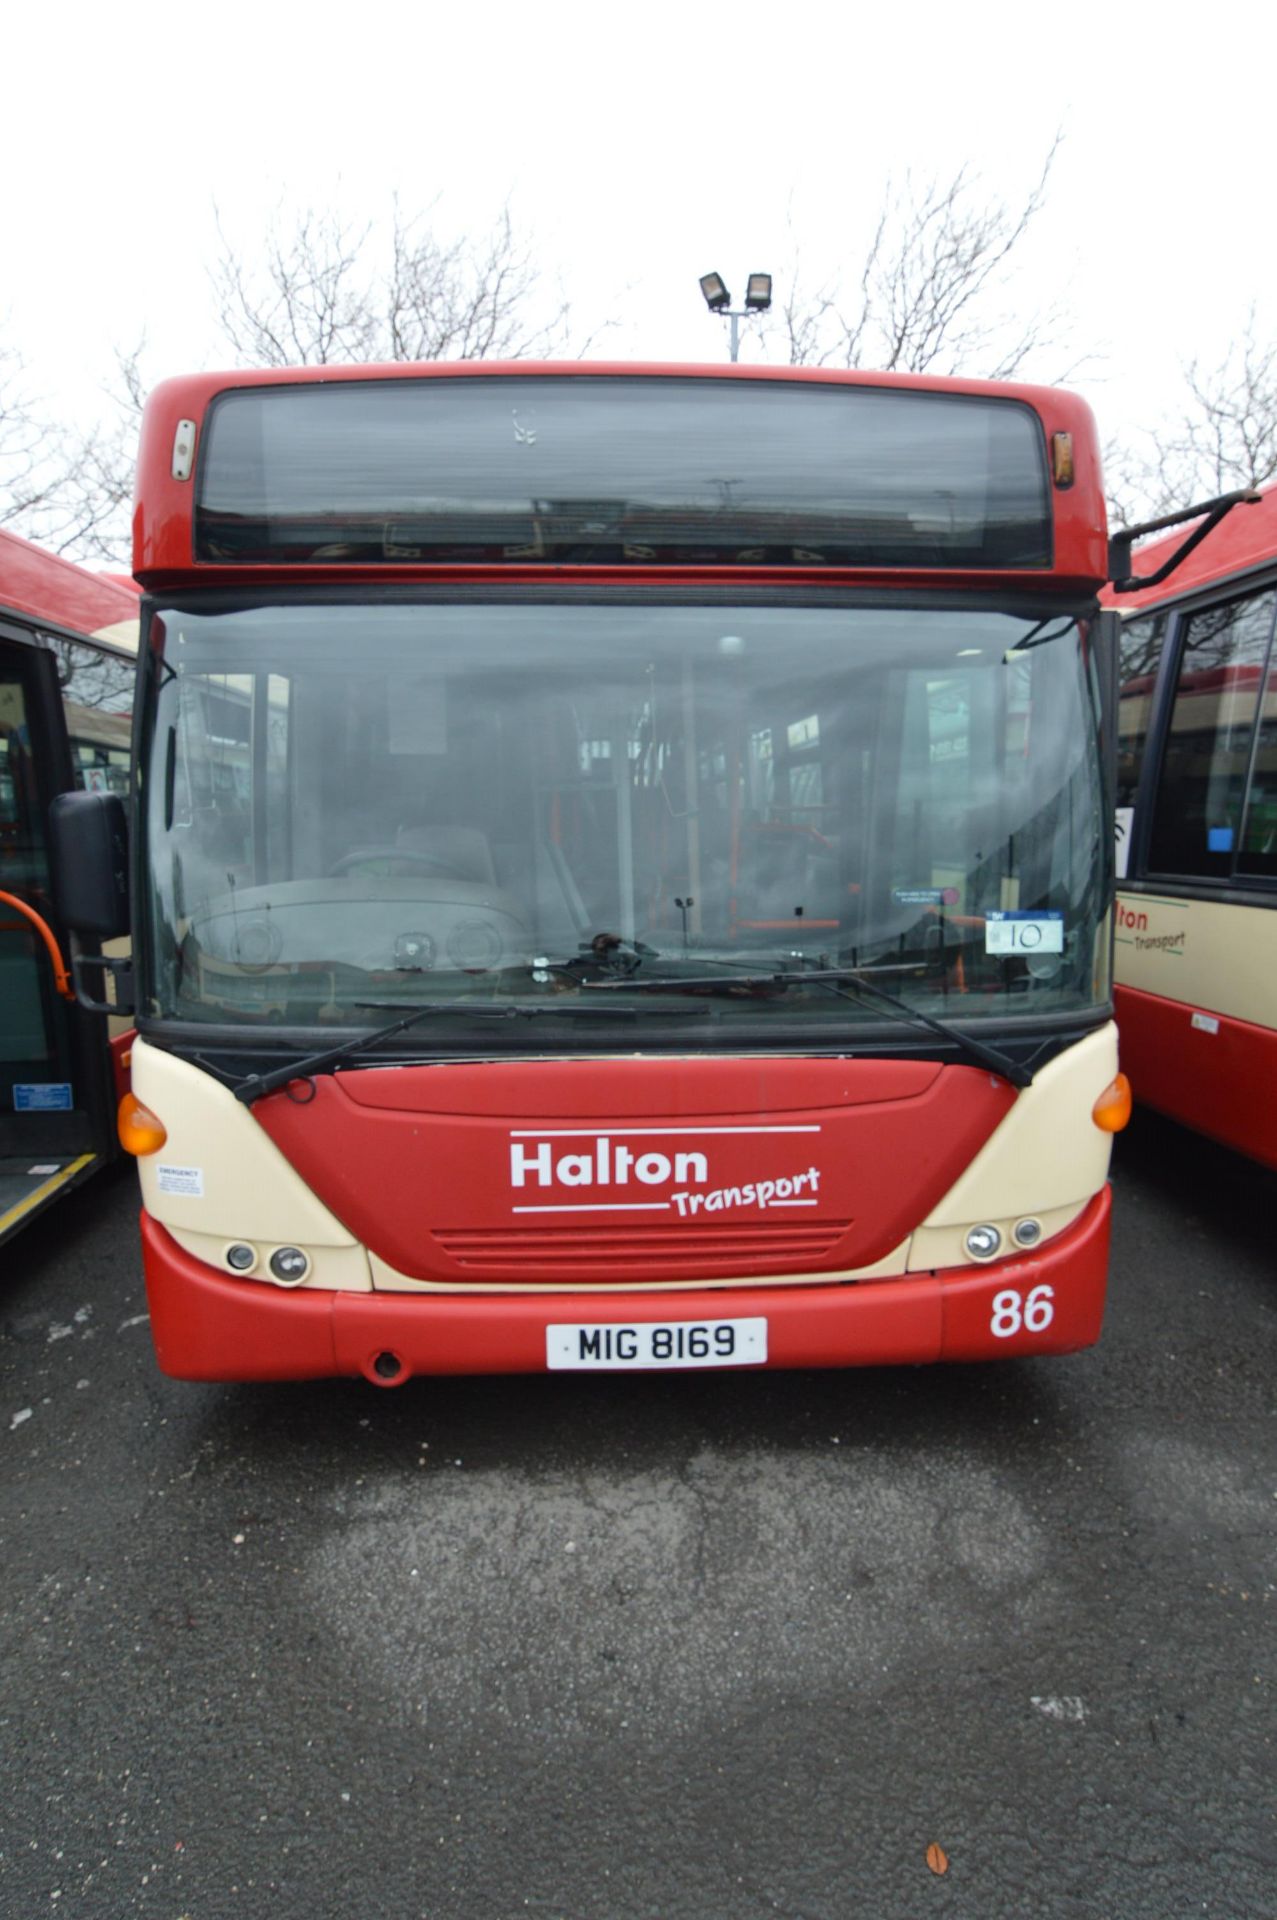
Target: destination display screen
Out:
[608,470]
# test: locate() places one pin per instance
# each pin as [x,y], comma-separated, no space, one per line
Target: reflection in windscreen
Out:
[397,801]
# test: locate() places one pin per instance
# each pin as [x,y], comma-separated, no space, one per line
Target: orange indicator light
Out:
[1062,459]
[140,1132]
[1113,1108]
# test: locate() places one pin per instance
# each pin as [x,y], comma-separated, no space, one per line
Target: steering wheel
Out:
[428,863]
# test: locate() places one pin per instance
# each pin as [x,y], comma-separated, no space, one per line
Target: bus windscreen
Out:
[608,471]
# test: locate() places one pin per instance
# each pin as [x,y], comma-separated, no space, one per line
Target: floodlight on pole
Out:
[758,297]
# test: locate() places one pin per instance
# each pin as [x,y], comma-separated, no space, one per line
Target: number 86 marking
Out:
[1011,1312]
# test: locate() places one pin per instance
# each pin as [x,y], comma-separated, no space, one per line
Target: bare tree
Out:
[470,300]
[329,289]
[97,491]
[306,300]
[29,447]
[1225,435]
[80,501]
[932,293]
[318,289]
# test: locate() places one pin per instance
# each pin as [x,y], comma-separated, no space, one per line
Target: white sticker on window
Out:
[1206,1023]
[1024,933]
[1122,819]
[187,1180]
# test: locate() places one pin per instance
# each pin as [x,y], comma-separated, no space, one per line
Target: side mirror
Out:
[89,841]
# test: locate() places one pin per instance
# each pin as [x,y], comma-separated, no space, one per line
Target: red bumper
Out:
[208,1326]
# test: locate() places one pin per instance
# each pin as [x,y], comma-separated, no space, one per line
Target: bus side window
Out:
[788,842]
[1141,653]
[1258,855]
[212,777]
[1202,783]
[949,796]
[97,699]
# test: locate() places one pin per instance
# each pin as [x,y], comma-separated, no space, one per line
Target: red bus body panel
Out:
[45,587]
[1222,1083]
[121,1045]
[208,1326]
[162,527]
[531,1172]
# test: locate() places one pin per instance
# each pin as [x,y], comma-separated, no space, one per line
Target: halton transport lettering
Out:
[606,1165]
[786,1191]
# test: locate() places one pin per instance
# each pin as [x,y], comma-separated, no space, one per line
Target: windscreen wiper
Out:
[834,980]
[991,1057]
[256,1085]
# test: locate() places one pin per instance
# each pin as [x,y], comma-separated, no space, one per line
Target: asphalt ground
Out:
[675,1645]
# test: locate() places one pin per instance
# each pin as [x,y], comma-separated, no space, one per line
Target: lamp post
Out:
[758,297]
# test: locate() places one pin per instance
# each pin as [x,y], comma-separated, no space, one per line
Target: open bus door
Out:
[55,1074]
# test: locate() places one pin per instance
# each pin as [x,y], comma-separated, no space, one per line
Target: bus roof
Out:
[1243,542]
[170,474]
[43,586]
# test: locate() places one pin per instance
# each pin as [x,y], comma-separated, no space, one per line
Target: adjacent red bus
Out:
[68,662]
[623,871]
[1197,834]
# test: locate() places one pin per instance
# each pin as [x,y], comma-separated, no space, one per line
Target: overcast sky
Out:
[639,146]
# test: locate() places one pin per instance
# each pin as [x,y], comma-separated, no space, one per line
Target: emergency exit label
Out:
[1024,933]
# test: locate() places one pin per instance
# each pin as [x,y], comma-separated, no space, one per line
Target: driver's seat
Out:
[460,851]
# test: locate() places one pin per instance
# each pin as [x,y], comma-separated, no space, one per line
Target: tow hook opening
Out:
[387,1370]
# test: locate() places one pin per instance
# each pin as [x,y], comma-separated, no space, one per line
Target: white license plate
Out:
[620,1344]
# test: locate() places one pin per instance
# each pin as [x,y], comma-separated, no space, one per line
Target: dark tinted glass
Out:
[24,870]
[1141,653]
[1198,811]
[614,471]
[97,699]
[1257,856]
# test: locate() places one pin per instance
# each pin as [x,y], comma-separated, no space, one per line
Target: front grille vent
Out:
[678,1251]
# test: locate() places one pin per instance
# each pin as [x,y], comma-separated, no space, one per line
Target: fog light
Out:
[290,1265]
[241,1257]
[983,1242]
[1028,1232]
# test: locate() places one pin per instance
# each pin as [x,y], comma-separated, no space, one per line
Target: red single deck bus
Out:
[1197,834]
[622,871]
[68,662]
